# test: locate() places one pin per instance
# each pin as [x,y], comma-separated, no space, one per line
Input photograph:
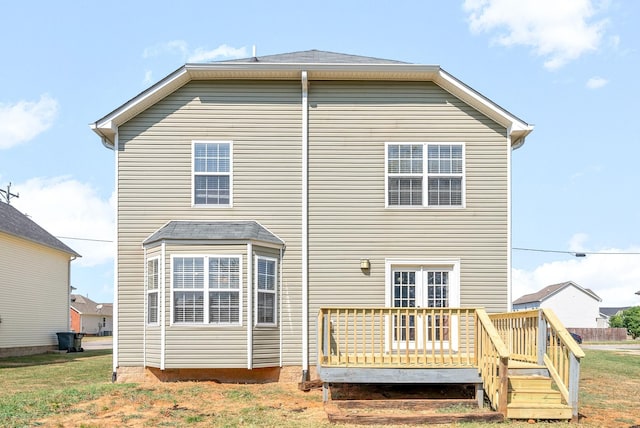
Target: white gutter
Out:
[305,226]
[146,306]
[249,305]
[280,302]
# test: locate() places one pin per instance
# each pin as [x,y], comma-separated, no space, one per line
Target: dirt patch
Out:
[198,404]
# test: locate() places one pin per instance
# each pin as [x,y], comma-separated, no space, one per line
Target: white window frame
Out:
[155,291]
[206,289]
[194,173]
[274,292]
[425,175]
[450,265]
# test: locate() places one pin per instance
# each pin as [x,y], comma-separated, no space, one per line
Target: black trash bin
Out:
[65,340]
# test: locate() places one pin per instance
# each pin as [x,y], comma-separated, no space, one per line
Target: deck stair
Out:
[532,396]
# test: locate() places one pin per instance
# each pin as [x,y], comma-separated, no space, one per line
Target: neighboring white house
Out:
[575,306]
[607,313]
[90,317]
[34,285]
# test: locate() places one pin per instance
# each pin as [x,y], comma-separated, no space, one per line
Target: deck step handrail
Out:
[538,336]
[493,362]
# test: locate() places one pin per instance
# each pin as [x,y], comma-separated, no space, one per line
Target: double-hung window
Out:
[436,181]
[206,290]
[153,278]
[266,291]
[212,173]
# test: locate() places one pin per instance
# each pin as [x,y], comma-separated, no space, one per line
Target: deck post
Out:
[503,371]
[542,338]
[325,392]
[480,395]
[574,379]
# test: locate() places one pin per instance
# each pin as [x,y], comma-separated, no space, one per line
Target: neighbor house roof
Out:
[13,222]
[318,65]
[550,290]
[244,230]
[86,306]
[609,312]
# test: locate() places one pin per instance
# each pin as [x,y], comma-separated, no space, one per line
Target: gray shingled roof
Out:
[13,222]
[86,306]
[549,290]
[317,57]
[612,311]
[247,230]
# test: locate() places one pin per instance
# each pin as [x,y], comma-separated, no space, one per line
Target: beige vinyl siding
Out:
[349,123]
[154,181]
[35,290]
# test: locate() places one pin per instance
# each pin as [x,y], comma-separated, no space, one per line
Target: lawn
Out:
[61,390]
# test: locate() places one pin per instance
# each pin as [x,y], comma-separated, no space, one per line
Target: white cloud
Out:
[66,207]
[558,31]
[24,120]
[148,77]
[613,277]
[596,82]
[222,51]
[200,54]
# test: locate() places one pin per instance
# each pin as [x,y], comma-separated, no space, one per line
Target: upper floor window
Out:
[212,173]
[413,182]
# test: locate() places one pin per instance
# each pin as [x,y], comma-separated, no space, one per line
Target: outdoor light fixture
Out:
[365,264]
[580,254]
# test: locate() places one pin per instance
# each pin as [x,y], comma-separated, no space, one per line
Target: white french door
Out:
[422,287]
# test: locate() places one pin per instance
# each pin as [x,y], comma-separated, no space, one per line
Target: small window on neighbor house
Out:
[266,291]
[411,181]
[212,173]
[153,278]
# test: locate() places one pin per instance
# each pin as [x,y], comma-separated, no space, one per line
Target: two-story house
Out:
[257,197]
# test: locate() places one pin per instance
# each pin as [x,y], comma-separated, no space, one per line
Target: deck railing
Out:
[396,337]
[520,333]
[493,362]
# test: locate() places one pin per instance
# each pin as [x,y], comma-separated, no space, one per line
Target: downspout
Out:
[146,308]
[305,226]
[509,238]
[162,307]
[114,374]
[280,302]
[249,305]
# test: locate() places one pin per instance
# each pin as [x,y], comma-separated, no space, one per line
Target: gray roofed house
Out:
[609,312]
[35,268]
[15,223]
[574,305]
[90,317]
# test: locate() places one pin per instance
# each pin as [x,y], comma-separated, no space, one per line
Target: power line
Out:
[83,239]
[578,253]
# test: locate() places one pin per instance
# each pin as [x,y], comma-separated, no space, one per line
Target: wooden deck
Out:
[456,345]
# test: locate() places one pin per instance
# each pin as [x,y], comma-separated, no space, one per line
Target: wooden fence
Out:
[600,334]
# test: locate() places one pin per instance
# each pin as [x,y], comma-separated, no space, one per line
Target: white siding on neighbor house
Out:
[35,293]
[349,123]
[262,119]
[93,323]
[574,307]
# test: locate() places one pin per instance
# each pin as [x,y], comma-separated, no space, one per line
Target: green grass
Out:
[35,388]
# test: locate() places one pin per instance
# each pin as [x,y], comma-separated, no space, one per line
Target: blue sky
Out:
[569,67]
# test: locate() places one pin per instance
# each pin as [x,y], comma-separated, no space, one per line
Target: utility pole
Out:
[7,195]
